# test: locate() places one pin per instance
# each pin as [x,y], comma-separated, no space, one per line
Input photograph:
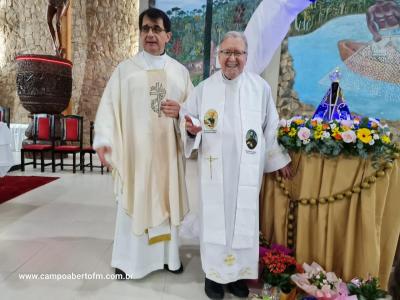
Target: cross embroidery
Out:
[159,92]
[211,159]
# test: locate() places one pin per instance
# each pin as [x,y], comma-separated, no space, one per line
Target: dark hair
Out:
[154,14]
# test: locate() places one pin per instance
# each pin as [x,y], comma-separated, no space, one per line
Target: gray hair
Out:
[235,35]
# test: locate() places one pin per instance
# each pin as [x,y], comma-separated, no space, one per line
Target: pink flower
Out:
[349,136]
[304,133]
[347,123]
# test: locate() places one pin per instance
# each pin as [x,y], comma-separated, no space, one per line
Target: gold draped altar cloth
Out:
[355,236]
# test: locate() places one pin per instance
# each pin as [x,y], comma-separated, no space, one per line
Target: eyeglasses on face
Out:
[155,29]
[228,53]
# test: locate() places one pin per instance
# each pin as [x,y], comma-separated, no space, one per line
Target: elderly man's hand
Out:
[286,172]
[377,37]
[192,129]
[101,152]
[170,108]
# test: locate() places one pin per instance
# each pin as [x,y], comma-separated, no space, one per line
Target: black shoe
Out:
[239,289]
[179,271]
[121,275]
[213,289]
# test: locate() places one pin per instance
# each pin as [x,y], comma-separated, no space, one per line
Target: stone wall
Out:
[23,29]
[288,102]
[111,37]
[104,33]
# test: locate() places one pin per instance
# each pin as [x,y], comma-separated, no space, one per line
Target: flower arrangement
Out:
[366,289]
[361,137]
[277,267]
[315,281]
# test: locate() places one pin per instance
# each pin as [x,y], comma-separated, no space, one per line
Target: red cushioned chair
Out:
[91,152]
[71,141]
[5,115]
[42,131]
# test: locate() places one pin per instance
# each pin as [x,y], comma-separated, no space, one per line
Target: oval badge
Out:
[251,139]
[211,119]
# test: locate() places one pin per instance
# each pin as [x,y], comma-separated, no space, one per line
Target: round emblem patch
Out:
[251,139]
[211,119]
[230,260]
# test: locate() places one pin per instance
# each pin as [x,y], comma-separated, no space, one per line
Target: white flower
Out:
[282,123]
[333,125]
[304,133]
[376,136]
[349,136]
[326,135]
[307,141]
[318,120]
[331,277]
[372,142]
[356,282]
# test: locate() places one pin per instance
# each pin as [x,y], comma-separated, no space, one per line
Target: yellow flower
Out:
[319,127]
[385,139]
[345,128]
[335,131]
[292,132]
[299,121]
[317,134]
[364,135]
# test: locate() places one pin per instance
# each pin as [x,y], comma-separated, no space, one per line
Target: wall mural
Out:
[188,22]
[362,39]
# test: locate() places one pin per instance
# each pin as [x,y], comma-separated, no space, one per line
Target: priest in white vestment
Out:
[137,134]
[232,120]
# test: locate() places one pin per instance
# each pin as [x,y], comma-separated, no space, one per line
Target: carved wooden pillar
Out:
[66,42]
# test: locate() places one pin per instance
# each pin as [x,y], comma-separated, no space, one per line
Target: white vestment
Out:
[232,255]
[125,122]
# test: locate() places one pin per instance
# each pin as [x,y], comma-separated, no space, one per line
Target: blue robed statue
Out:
[333,106]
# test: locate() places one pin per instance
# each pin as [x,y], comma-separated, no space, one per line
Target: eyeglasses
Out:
[155,29]
[228,53]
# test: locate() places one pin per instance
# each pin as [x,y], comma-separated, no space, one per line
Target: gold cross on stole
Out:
[211,159]
[159,91]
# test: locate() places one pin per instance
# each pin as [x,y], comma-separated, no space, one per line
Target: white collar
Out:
[154,61]
[231,81]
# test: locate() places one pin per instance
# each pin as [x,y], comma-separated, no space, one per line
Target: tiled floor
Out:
[66,227]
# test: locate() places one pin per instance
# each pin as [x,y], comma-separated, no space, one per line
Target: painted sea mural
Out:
[340,34]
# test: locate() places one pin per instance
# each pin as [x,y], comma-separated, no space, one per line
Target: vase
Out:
[44,83]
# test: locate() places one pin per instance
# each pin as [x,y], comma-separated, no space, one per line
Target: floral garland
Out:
[362,137]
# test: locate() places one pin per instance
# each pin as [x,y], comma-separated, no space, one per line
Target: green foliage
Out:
[187,43]
[366,290]
[323,11]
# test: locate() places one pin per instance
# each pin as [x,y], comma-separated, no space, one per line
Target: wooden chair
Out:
[42,131]
[91,152]
[71,141]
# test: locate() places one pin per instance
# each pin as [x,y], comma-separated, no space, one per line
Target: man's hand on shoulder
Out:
[170,108]
[101,153]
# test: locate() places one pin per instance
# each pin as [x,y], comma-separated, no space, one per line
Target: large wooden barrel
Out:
[44,83]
